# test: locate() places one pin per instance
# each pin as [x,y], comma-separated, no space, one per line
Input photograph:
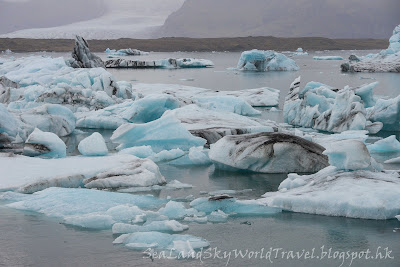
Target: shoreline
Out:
[173,44]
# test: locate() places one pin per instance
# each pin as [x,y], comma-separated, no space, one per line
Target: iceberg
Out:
[177,211]
[9,126]
[183,245]
[124,52]
[48,118]
[233,207]
[393,161]
[42,172]
[217,217]
[360,194]
[300,52]
[143,110]
[213,125]
[328,58]
[82,57]
[258,97]
[46,145]
[168,63]
[93,145]
[155,226]
[387,145]
[139,173]
[83,207]
[386,111]
[268,153]
[227,103]
[258,60]
[321,107]
[387,60]
[348,155]
[165,133]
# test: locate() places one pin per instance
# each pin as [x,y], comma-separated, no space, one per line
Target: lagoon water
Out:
[31,239]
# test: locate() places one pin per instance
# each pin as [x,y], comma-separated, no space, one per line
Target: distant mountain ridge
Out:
[283,18]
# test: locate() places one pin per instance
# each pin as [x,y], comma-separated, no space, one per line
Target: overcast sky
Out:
[206,17]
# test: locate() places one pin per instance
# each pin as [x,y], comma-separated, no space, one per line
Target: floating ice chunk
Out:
[183,245]
[92,221]
[156,226]
[126,213]
[268,153]
[359,194]
[213,125]
[9,126]
[175,184]
[165,133]
[141,172]
[348,155]
[320,107]
[82,204]
[168,63]
[328,58]
[386,145]
[232,206]
[387,111]
[393,161]
[177,211]
[398,217]
[197,156]
[82,57]
[217,217]
[167,155]
[139,151]
[257,97]
[226,103]
[42,171]
[93,145]
[299,49]
[196,219]
[49,118]
[258,60]
[125,52]
[47,145]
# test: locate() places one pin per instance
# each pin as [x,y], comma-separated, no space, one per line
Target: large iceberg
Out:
[82,57]
[365,192]
[258,97]
[169,63]
[268,153]
[38,173]
[386,111]
[143,110]
[165,133]
[213,125]
[321,107]
[44,144]
[387,60]
[258,60]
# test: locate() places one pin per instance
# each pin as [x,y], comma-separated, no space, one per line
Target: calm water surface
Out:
[31,239]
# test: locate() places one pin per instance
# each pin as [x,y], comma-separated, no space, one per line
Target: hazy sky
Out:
[200,18]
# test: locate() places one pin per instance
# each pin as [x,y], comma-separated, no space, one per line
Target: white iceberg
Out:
[232,206]
[268,153]
[38,173]
[177,211]
[258,60]
[139,173]
[387,60]
[217,217]
[155,226]
[169,63]
[93,145]
[183,245]
[359,194]
[165,133]
[125,52]
[44,144]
